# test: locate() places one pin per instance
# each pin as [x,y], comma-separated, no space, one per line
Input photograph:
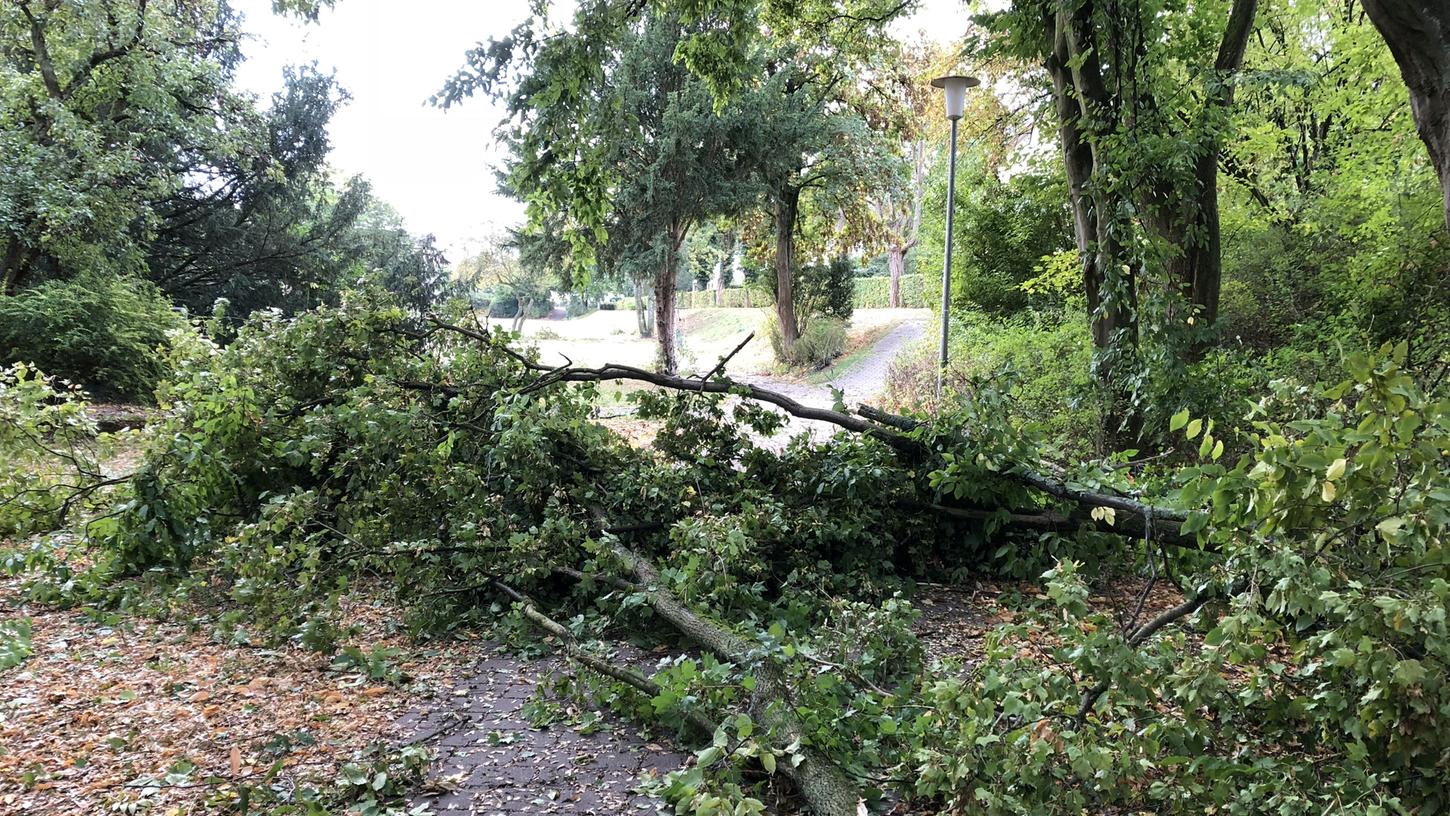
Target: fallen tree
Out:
[354,442]
[1140,518]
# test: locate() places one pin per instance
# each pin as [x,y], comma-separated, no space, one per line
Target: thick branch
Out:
[825,787]
[571,647]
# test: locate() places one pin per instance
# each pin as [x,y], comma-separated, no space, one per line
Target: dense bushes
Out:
[1314,677]
[47,447]
[104,332]
[1044,366]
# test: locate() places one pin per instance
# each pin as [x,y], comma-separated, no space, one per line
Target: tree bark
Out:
[727,267]
[1418,34]
[896,263]
[787,207]
[668,358]
[641,310]
[825,787]
[1110,289]
[1187,215]
[521,314]
[15,266]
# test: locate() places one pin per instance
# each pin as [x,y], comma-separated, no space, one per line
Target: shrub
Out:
[101,331]
[823,341]
[1044,366]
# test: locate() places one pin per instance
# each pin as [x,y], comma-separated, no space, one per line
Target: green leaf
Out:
[1193,428]
[1178,421]
[710,756]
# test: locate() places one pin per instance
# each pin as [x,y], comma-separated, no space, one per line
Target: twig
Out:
[720,366]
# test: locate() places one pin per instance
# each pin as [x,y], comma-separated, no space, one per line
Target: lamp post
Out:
[955,91]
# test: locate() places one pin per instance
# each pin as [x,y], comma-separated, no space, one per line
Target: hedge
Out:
[870,293]
[875,293]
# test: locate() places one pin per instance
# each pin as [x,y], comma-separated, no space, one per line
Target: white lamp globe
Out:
[956,93]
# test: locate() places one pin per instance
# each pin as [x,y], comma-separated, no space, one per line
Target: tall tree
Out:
[89,90]
[652,143]
[1418,34]
[1142,94]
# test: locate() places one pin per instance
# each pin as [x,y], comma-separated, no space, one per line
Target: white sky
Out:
[436,168]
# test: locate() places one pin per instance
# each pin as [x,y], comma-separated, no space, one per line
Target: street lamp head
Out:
[956,93]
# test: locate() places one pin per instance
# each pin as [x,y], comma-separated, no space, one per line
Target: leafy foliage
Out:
[106,332]
[46,440]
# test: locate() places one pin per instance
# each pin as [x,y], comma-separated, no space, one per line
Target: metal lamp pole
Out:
[955,88]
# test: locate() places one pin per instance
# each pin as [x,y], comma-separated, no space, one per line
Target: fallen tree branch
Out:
[890,428]
[1050,521]
[1136,639]
[826,788]
[629,677]
[720,366]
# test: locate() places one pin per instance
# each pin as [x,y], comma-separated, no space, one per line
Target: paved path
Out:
[863,382]
[491,760]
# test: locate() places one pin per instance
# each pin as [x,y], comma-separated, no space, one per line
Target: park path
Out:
[862,382]
[490,760]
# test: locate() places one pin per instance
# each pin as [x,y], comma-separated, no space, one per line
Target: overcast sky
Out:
[436,168]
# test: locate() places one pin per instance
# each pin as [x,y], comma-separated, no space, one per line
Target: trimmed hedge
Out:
[734,298]
[870,293]
[875,293]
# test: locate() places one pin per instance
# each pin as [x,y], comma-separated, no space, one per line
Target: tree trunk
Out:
[1186,215]
[668,358]
[1418,34]
[14,266]
[727,268]
[641,310]
[521,314]
[1078,95]
[828,791]
[896,262]
[787,207]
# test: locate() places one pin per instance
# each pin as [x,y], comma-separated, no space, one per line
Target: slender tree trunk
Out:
[1110,289]
[787,207]
[1186,215]
[642,310]
[669,356]
[726,269]
[896,262]
[1418,34]
[521,314]
[14,267]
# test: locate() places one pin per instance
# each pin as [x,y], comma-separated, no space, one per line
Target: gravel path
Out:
[862,382]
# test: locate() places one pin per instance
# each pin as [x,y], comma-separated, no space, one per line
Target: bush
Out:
[1044,366]
[46,441]
[101,331]
[823,341]
[734,298]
